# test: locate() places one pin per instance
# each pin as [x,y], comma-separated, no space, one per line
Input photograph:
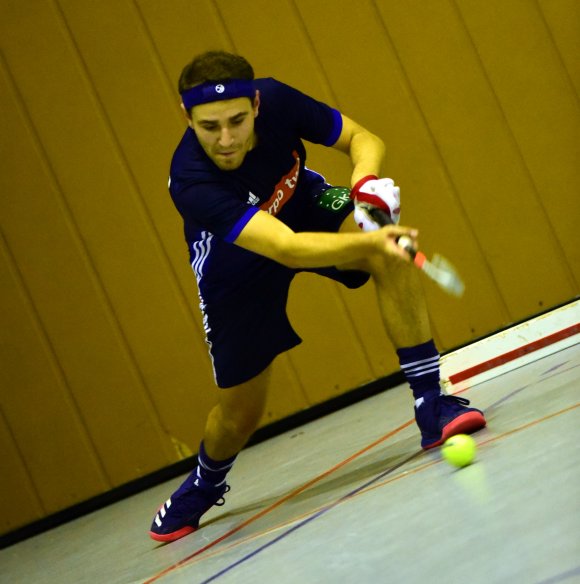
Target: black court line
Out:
[310,518]
[356,491]
[366,485]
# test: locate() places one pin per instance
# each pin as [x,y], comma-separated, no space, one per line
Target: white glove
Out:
[377,202]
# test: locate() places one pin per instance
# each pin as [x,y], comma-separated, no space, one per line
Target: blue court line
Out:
[563,576]
[310,518]
[558,578]
[540,378]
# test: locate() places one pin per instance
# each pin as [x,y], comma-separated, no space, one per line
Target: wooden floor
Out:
[351,498]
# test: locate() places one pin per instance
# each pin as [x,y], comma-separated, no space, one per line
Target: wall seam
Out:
[517,147]
[446,171]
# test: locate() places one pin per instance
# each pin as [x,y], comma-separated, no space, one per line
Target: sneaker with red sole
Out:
[180,514]
[443,416]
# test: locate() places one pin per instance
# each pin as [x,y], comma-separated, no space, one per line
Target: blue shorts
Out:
[248,330]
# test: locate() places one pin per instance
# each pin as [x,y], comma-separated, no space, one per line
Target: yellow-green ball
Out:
[459,450]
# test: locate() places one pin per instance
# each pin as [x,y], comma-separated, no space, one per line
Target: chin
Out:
[228,164]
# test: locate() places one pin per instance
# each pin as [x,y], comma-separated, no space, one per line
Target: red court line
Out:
[279,502]
[407,473]
[454,379]
[398,477]
[511,355]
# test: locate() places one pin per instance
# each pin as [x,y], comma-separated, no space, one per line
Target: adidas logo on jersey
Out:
[252,199]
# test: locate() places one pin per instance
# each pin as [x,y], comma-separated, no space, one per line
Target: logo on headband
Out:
[217,90]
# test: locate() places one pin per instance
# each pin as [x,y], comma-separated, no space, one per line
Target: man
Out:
[254,216]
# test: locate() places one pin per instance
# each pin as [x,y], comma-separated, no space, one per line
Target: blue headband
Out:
[216,91]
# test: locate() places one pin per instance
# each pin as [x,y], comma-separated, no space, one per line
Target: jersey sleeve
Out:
[314,120]
[214,208]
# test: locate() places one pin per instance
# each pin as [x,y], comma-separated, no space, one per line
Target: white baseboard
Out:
[511,348]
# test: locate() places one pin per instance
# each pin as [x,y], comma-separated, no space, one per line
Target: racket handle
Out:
[379,216]
[407,244]
[383,218]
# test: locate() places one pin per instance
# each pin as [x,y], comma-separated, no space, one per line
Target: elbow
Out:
[380,145]
[288,259]
[368,143]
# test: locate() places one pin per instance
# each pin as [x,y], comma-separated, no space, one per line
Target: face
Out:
[225,129]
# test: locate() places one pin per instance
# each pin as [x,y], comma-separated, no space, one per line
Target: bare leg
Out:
[404,314]
[233,420]
[228,428]
[400,294]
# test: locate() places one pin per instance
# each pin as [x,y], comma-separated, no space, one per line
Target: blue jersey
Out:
[216,205]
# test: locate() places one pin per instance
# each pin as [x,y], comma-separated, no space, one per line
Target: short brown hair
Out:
[214,66]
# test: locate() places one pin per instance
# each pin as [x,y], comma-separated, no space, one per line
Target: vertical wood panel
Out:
[155,296]
[61,277]
[562,18]
[364,71]
[38,408]
[181,29]
[483,160]
[540,106]
[16,485]
[478,104]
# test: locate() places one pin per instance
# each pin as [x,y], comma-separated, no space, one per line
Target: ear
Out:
[257,103]
[186,114]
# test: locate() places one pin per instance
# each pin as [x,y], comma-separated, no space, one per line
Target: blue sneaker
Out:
[443,416]
[180,514]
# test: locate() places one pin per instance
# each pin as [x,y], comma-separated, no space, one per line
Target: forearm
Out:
[267,236]
[367,153]
[365,150]
[315,250]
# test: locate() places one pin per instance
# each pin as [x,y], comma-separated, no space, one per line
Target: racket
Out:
[439,269]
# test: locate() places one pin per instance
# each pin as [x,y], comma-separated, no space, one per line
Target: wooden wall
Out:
[104,375]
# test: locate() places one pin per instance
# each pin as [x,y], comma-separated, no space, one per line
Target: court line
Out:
[299,490]
[303,515]
[310,518]
[514,354]
[279,502]
[562,576]
[368,485]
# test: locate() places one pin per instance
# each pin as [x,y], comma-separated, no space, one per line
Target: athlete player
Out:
[254,216]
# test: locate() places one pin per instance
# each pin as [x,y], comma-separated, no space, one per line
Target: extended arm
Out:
[267,236]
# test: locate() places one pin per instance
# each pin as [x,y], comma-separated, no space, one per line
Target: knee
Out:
[240,422]
[390,269]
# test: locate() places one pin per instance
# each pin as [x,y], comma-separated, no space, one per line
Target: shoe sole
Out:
[174,535]
[465,424]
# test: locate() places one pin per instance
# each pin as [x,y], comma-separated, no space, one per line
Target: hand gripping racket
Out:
[438,269]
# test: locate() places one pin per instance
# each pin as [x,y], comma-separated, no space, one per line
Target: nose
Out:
[226,138]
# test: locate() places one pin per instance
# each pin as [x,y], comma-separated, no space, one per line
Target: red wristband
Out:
[359,183]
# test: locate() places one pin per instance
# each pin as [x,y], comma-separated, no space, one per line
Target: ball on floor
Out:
[459,450]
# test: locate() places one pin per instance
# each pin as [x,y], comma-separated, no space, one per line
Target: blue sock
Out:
[420,364]
[212,471]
